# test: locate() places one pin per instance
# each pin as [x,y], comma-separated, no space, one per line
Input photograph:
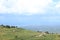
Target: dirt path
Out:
[40,35]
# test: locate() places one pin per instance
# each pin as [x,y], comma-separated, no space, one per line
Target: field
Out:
[23,34]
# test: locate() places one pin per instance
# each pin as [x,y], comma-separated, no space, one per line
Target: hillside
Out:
[22,34]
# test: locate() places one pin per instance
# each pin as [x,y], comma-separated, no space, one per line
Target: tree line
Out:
[8,26]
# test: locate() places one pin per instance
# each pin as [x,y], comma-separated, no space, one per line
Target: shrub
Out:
[7,26]
[58,35]
[47,32]
[2,25]
[13,27]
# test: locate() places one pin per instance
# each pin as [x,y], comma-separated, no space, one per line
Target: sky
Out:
[30,12]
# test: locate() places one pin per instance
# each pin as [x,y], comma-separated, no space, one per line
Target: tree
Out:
[13,27]
[47,32]
[7,26]
[2,25]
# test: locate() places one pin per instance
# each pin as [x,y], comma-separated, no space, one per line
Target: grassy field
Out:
[22,34]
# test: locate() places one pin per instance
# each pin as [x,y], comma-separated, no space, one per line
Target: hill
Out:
[23,34]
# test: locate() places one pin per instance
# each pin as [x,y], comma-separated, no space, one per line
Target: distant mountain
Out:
[55,29]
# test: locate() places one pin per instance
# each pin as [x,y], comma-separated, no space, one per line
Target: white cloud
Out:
[26,6]
[57,7]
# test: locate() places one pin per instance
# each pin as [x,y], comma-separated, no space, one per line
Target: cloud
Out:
[28,7]
[57,7]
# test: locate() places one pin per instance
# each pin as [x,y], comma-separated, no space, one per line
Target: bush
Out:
[2,25]
[47,32]
[58,35]
[13,27]
[7,26]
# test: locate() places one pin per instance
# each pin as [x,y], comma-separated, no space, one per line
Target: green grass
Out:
[22,34]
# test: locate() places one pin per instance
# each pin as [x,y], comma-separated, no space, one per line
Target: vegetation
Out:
[13,33]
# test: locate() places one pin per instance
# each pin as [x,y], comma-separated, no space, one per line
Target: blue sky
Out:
[30,12]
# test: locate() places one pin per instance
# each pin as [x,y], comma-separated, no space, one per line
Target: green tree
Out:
[13,27]
[2,25]
[47,32]
[7,26]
